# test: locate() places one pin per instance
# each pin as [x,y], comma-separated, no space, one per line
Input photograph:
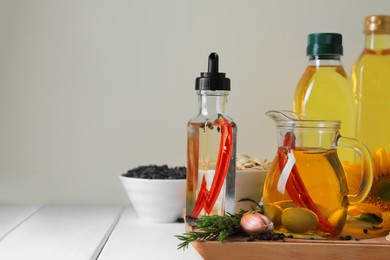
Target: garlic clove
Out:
[255,223]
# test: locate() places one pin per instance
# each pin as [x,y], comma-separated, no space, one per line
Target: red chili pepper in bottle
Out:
[206,198]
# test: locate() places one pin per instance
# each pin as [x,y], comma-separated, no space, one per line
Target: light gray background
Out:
[90,89]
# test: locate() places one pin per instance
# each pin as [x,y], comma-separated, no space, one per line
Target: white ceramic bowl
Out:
[249,184]
[159,201]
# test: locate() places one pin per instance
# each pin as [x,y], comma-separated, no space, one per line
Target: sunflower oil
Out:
[324,90]
[371,85]
[325,93]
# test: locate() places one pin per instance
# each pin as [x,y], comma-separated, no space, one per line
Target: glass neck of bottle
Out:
[325,60]
[212,102]
[376,41]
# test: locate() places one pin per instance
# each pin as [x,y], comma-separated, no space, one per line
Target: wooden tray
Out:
[369,246]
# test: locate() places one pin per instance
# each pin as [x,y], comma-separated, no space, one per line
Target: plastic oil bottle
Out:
[211,148]
[371,84]
[324,91]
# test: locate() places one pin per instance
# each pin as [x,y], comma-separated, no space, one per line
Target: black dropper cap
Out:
[213,79]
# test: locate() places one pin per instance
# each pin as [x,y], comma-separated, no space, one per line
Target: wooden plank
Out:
[133,239]
[58,232]
[12,216]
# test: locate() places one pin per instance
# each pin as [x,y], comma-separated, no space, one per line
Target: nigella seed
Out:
[312,238]
[157,172]
[348,237]
[290,236]
[365,231]
[357,239]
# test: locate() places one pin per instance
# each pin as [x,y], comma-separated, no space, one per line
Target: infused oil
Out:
[202,156]
[211,148]
[306,190]
[324,181]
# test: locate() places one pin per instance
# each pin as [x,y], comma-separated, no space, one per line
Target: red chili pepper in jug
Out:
[296,188]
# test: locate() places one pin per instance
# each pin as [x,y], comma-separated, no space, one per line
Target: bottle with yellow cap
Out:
[371,83]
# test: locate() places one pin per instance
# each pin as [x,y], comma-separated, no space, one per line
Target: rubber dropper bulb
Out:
[213,63]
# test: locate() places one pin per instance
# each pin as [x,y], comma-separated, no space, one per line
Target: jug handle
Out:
[367,167]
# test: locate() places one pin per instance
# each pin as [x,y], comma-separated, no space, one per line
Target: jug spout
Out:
[283,115]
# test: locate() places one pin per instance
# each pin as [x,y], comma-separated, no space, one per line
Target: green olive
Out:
[285,204]
[299,220]
[338,217]
[274,213]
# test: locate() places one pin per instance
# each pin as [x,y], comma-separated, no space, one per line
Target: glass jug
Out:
[305,192]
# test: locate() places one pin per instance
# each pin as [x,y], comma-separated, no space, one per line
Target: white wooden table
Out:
[85,232]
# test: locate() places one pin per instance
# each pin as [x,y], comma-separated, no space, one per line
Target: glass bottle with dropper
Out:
[211,148]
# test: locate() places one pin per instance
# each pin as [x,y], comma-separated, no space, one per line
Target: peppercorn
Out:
[269,236]
[250,239]
[348,237]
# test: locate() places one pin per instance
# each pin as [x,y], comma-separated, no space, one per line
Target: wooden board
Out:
[291,250]
[372,245]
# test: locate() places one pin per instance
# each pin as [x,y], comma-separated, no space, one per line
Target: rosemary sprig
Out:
[212,227]
[216,227]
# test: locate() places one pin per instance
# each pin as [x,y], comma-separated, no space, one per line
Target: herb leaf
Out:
[212,227]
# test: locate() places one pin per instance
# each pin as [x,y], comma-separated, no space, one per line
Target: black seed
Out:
[157,172]
[365,231]
[341,238]
[312,238]
[348,237]
[357,239]
[290,236]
